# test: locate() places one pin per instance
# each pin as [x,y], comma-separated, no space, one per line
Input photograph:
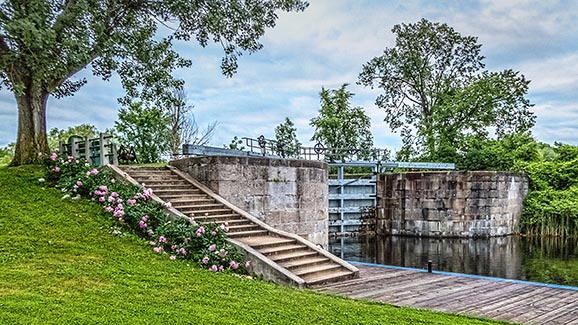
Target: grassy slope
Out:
[59,263]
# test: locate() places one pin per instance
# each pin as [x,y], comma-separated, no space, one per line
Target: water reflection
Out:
[505,257]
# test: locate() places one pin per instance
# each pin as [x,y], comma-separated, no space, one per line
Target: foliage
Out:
[436,94]
[146,128]
[134,210]
[504,153]
[6,154]
[236,144]
[56,135]
[183,126]
[286,137]
[551,207]
[340,126]
[63,262]
[44,44]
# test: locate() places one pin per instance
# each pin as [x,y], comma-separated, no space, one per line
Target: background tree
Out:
[183,126]
[56,135]
[340,126]
[236,144]
[286,136]
[145,128]
[44,43]
[436,93]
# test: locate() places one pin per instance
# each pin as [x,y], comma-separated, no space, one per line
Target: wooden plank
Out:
[510,301]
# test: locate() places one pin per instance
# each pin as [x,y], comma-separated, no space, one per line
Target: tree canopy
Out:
[340,126]
[45,43]
[286,137]
[436,92]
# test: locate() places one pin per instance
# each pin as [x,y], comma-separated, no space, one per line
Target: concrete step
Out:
[266,241]
[309,261]
[249,233]
[178,192]
[323,277]
[165,187]
[292,255]
[308,269]
[161,182]
[184,201]
[272,251]
[195,205]
[243,227]
[206,212]
[191,207]
[180,197]
[221,218]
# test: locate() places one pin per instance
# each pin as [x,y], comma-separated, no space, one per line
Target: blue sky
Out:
[326,46]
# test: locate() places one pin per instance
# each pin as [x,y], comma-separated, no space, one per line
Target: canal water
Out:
[547,260]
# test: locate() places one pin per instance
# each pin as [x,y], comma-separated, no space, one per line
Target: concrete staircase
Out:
[306,264]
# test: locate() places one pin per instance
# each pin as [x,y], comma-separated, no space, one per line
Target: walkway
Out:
[500,299]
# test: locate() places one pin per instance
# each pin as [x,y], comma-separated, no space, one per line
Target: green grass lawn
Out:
[61,263]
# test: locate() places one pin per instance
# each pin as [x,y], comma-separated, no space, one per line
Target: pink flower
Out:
[119,200]
[205,260]
[78,183]
[248,264]
[103,188]
[114,194]
[158,249]
[213,233]
[88,174]
[112,180]
[234,265]
[131,201]
[142,224]
[199,234]
[145,218]
[173,247]
[150,232]
[97,192]
[212,247]
[108,209]
[77,161]
[173,257]
[182,251]
[56,169]
[213,268]
[53,156]
[111,199]
[40,154]
[101,199]
[94,171]
[162,239]
[221,268]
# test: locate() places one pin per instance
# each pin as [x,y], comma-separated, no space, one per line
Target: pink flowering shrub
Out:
[133,208]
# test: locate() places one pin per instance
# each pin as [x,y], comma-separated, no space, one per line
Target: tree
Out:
[436,93]
[56,135]
[145,128]
[286,137]
[183,126]
[340,126]
[45,43]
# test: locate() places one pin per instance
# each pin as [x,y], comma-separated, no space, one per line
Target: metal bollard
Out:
[429,266]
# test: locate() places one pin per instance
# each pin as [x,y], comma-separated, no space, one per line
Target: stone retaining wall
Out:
[450,204]
[290,195]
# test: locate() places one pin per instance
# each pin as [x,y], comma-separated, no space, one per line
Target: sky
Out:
[327,45]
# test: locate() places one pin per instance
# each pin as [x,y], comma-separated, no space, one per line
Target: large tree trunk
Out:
[31,126]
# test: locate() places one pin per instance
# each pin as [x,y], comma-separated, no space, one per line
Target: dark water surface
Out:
[548,260]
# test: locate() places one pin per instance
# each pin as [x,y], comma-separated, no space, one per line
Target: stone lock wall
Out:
[290,195]
[450,204]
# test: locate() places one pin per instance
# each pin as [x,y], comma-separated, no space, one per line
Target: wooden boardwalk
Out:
[513,301]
